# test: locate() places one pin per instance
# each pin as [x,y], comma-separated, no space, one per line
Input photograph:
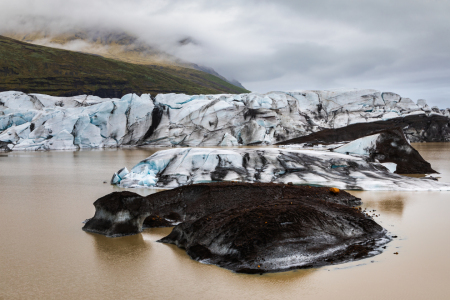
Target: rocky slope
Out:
[183,166]
[34,121]
[37,69]
[119,45]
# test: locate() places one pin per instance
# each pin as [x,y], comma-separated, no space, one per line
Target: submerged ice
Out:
[41,122]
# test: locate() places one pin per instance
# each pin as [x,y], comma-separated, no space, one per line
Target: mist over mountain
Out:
[38,69]
[117,45]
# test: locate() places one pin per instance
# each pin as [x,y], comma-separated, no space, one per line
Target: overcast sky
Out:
[401,46]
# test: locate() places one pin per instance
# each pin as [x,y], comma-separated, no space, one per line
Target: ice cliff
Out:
[184,166]
[41,122]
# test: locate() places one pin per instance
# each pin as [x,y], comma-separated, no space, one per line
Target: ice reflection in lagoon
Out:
[44,253]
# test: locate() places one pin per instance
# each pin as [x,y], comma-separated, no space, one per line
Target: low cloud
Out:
[400,46]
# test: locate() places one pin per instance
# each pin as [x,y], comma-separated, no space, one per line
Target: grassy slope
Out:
[37,69]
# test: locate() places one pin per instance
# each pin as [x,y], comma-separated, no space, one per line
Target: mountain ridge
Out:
[32,68]
[116,45]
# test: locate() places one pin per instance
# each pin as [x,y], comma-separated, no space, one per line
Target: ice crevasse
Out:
[42,122]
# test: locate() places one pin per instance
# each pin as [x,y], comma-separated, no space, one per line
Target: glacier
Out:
[184,166]
[42,122]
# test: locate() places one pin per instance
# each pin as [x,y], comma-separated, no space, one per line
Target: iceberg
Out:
[388,147]
[185,166]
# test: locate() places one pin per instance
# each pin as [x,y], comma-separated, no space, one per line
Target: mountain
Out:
[117,45]
[39,69]
[213,72]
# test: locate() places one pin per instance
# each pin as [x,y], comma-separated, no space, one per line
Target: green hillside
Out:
[37,69]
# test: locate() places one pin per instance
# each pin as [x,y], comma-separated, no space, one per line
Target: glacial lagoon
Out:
[44,254]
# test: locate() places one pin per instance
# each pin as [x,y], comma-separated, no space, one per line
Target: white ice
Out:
[181,166]
[192,120]
[361,146]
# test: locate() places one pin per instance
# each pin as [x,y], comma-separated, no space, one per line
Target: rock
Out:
[266,234]
[183,166]
[125,213]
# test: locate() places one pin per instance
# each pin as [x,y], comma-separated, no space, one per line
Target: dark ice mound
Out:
[248,227]
[273,235]
[118,214]
[417,128]
[4,147]
[392,146]
[125,213]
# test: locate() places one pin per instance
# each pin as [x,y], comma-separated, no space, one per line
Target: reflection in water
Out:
[154,234]
[393,203]
[438,155]
[394,206]
[180,255]
[127,245]
[44,253]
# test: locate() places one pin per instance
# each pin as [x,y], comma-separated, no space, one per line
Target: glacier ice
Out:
[180,166]
[192,120]
[360,146]
[117,177]
[392,167]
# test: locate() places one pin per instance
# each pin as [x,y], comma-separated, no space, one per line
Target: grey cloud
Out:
[401,46]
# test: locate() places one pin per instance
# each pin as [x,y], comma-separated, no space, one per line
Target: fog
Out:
[399,46]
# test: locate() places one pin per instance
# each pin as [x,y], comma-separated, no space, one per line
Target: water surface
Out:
[44,254]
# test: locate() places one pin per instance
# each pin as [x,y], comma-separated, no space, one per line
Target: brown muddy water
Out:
[44,254]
